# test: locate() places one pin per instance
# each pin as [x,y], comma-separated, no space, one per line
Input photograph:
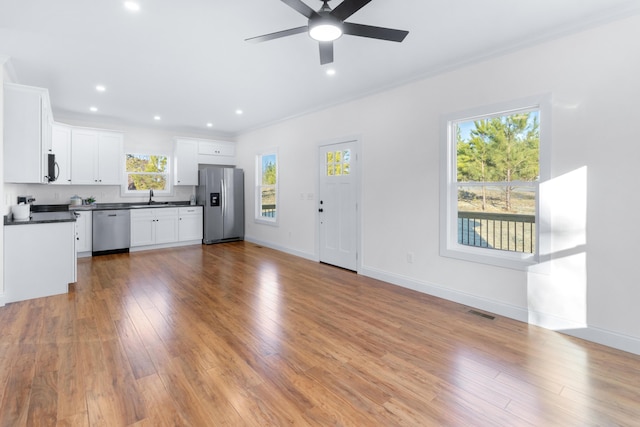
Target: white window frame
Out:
[258,218]
[449,246]
[124,188]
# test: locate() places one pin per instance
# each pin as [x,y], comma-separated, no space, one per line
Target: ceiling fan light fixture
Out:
[325,32]
[327,25]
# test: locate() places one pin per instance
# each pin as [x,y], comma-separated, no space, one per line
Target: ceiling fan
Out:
[326,25]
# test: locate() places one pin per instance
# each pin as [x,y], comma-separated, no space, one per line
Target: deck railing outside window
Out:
[507,232]
[268,211]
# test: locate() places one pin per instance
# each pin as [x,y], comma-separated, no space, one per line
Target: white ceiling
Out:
[187,61]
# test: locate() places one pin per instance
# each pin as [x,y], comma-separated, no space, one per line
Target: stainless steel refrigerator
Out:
[221,192]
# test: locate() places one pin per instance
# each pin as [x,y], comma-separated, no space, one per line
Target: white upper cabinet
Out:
[96,157]
[84,147]
[110,157]
[189,152]
[61,147]
[27,133]
[186,162]
[216,148]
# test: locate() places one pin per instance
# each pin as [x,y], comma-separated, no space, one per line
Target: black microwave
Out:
[52,173]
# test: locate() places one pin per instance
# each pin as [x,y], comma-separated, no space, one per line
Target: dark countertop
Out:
[42,218]
[134,205]
[42,214]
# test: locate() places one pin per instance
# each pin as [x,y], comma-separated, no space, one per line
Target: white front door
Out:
[337,204]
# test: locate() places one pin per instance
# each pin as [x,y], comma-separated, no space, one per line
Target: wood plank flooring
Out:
[239,335]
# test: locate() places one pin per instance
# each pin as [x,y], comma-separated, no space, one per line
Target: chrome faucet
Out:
[150,196]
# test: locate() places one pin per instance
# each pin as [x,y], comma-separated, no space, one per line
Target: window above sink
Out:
[145,172]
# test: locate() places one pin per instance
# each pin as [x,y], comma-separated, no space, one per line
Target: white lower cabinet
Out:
[84,233]
[154,226]
[39,260]
[190,226]
[166,225]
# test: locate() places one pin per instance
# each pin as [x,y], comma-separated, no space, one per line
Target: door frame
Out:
[357,142]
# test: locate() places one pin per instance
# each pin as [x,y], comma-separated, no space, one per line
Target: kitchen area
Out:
[69,193]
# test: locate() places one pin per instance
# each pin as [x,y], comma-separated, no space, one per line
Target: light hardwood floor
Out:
[240,335]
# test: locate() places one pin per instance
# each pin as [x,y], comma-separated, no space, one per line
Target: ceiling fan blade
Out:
[374,32]
[301,7]
[277,35]
[348,8]
[326,52]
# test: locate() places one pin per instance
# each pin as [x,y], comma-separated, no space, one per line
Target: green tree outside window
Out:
[147,172]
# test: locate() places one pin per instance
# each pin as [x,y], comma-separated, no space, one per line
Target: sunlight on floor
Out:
[268,306]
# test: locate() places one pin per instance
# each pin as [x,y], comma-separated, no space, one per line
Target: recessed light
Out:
[156,117]
[209,125]
[100,88]
[93,109]
[239,112]
[331,72]
[132,6]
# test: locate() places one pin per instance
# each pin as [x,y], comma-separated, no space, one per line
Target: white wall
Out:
[3,209]
[590,286]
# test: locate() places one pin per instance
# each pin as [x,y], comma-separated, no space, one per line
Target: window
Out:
[339,162]
[491,202]
[146,172]
[267,188]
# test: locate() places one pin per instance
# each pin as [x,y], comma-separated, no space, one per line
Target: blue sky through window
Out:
[266,160]
[467,127]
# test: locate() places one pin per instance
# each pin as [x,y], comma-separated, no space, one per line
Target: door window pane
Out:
[338,162]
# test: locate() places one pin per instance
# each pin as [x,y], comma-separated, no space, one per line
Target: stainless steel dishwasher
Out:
[111,231]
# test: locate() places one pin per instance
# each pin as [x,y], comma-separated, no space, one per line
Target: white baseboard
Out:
[587,332]
[474,301]
[305,255]
[609,338]
[165,245]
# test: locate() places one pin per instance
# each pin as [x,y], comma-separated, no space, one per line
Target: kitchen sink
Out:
[158,204]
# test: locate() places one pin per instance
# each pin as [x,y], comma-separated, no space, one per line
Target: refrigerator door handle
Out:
[223,197]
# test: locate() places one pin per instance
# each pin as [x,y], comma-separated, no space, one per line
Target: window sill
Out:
[498,258]
[273,223]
